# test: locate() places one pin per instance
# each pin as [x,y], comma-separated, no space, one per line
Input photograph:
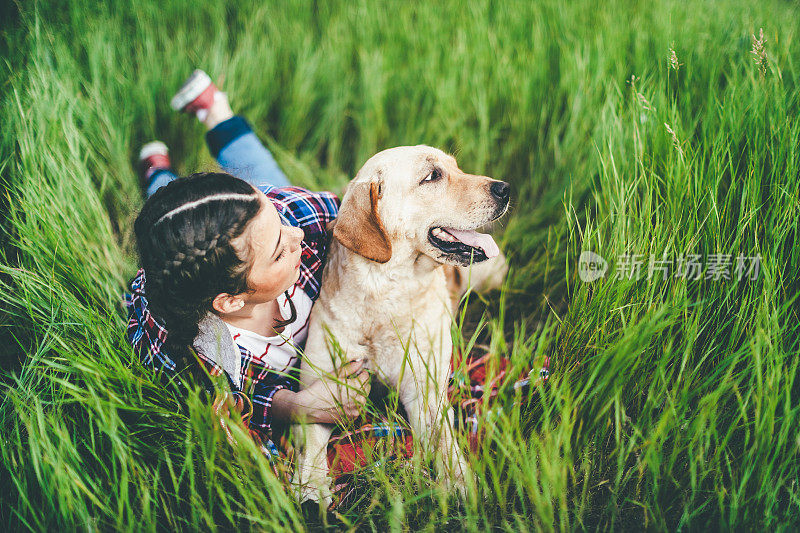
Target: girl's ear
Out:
[225,304]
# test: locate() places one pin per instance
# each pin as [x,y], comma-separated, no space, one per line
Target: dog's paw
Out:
[454,474]
[314,494]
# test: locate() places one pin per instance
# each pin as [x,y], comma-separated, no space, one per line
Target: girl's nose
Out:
[298,237]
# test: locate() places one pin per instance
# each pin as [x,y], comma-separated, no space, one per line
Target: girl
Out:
[228,258]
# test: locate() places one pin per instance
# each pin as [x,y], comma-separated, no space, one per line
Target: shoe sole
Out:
[153,148]
[191,89]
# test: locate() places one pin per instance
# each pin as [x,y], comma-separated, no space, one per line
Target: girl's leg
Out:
[159,178]
[230,138]
[155,169]
[240,153]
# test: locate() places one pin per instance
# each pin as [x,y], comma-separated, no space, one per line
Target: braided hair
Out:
[183,235]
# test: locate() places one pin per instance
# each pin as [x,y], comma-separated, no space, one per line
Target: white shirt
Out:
[279,351]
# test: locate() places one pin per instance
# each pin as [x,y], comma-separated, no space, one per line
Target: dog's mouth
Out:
[465,244]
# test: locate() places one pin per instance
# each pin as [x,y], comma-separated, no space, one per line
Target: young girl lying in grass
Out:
[237,254]
[231,265]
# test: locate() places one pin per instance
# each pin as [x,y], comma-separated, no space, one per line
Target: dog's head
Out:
[415,199]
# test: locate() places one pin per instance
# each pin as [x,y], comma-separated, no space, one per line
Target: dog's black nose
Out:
[500,190]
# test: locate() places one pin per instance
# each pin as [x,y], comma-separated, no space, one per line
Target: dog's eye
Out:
[433,176]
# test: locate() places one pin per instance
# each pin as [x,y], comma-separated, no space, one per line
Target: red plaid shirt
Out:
[297,207]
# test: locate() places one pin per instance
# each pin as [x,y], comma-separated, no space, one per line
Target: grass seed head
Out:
[675,142]
[760,52]
[672,57]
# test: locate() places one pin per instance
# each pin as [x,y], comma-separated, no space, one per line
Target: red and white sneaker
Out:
[152,157]
[196,95]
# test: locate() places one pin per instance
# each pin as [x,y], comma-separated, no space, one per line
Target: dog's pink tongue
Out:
[476,240]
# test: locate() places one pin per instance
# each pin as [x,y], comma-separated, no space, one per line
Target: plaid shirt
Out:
[297,207]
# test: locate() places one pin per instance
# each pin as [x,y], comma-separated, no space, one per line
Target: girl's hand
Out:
[339,397]
[232,402]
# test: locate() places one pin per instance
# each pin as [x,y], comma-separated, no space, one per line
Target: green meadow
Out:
[635,130]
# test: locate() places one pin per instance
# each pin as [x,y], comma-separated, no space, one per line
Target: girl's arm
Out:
[326,401]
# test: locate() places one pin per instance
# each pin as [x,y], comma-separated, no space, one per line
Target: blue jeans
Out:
[239,152]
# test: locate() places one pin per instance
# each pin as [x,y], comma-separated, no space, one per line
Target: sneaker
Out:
[196,95]
[152,157]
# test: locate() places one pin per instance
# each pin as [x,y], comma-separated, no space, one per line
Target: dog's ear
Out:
[359,227]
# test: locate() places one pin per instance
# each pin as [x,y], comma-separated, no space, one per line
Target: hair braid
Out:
[184,234]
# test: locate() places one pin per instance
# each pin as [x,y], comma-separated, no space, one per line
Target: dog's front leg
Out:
[431,418]
[311,479]
[311,471]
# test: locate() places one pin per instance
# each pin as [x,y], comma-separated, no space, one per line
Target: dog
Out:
[400,255]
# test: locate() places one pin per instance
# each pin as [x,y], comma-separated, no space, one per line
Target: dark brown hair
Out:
[183,235]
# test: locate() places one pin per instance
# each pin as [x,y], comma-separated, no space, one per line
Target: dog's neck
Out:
[408,269]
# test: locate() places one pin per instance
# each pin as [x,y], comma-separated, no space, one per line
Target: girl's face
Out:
[273,251]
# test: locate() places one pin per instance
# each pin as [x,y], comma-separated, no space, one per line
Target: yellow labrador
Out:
[409,213]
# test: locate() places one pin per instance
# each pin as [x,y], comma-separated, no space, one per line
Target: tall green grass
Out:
[672,404]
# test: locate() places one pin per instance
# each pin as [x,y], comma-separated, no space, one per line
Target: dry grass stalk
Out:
[642,99]
[675,142]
